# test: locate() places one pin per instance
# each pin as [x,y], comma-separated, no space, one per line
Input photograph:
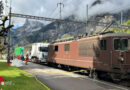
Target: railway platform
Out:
[57,79]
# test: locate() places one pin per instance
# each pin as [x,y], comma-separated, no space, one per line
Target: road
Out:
[57,79]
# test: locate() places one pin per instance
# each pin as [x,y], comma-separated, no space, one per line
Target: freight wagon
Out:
[101,55]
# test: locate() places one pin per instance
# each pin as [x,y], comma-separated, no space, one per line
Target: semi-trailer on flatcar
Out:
[107,54]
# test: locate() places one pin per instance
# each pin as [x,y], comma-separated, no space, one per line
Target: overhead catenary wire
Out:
[52,12]
[62,1]
[66,5]
[119,9]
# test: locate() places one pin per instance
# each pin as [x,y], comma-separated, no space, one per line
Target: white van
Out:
[39,52]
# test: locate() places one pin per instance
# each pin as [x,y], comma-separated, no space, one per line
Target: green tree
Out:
[127,23]
[46,41]
[66,36]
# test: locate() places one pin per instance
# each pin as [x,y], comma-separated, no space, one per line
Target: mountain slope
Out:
[34,31]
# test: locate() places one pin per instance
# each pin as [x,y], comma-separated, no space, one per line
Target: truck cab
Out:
[39,52]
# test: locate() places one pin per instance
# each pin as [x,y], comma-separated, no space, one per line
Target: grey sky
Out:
[76,7]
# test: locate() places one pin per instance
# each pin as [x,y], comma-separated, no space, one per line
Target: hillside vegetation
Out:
[122,30]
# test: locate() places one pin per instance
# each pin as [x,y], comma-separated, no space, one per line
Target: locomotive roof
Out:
[91,37]
[113,34]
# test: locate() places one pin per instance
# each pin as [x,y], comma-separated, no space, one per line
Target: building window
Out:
[103,45]
[56,48]
[66,47]
[121,44]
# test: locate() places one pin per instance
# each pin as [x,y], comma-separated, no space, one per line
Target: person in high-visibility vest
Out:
[27,59]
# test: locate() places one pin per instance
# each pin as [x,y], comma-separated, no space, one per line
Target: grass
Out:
[17,79]
[1,58]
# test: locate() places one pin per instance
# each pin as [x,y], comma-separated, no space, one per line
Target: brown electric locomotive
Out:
[102,54]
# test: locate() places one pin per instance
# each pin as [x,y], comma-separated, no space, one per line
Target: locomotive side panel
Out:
[84,54]
[105,54]
[67,54]
[108,53]
[99,50]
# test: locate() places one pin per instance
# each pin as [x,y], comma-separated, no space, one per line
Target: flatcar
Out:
[106,54]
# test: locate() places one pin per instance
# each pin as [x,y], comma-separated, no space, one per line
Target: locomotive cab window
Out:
[56,48]
[121,44]
[103,45]
[66,47]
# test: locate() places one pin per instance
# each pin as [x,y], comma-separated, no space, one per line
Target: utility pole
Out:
[121,18]
[8,61]
[61,5]
[87,26]
[87,13]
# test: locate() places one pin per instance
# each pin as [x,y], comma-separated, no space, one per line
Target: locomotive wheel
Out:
[62,67]
[66,67]
[116,77]
[59,66]
[69,68]
[49,64]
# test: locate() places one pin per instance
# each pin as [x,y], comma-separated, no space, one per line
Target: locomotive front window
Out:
[56,48]
[124,44]
[121,44]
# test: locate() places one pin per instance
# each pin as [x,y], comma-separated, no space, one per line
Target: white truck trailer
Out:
[39,52]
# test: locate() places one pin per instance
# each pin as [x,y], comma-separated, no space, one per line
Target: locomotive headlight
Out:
[121,59]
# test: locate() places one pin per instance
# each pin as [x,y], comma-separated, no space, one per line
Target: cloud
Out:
[71,7]
[34,7]
[110,6]
[78,7]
